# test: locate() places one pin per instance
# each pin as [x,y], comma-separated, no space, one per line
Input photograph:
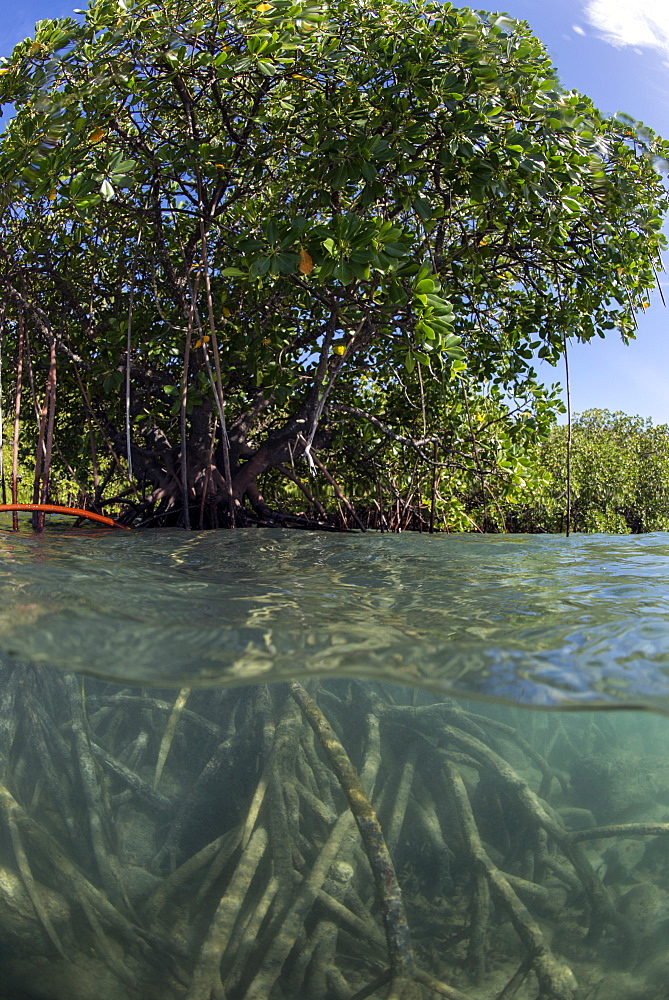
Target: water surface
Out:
[164,846]
[535,619]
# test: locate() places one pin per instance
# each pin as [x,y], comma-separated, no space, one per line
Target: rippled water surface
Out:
[537,619]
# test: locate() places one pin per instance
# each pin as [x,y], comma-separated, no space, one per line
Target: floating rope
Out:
[52,508]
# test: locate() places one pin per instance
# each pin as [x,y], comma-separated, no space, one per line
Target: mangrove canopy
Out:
[248,249]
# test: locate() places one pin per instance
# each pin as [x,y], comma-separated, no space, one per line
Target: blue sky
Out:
[616,52]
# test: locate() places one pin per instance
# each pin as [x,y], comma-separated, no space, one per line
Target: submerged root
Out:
[362,849]
[31,886]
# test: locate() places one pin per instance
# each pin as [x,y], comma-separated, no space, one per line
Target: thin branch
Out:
[569,433]
[17,422]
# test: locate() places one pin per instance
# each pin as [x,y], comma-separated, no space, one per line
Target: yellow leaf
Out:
[299,76]
[198,343]
[5,69]
[221,166]
[206,338]
[267,341]
[226,312]
[264,6]
[306,264]
[52,195]
[96,135]
[339,349]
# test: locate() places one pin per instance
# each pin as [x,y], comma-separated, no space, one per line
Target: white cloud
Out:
[643,24]
[577,29]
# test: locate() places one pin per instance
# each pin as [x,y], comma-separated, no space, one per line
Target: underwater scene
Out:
[478,834]
[350,840]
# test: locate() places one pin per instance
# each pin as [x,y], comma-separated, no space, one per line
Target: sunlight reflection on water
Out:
[535,619]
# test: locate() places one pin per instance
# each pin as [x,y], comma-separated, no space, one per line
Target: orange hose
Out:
[52,508]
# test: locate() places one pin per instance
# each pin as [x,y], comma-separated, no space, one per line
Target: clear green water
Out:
[198,845]
[540,620]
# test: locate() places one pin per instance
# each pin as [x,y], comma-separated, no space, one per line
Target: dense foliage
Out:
[619,478]
[245,242]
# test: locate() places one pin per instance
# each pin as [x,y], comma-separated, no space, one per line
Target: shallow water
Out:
[218,857]
[197,845]
[538,619]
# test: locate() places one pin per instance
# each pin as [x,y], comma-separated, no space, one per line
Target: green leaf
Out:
[423,207]
[343,273]
[112,382]
[440,327]
[124,167]
[440,306]
[361,271]
[395,250]
[259,267]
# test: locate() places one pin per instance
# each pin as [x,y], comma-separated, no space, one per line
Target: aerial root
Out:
[30,884]
[97,823]
[132,780]
[207,971]
[41,731]
[458,746]
[556,981]
[241,946]
[280,870]
[385,880]
[619,830]
[181,877]
[389,895]
[168,735]
[70,882]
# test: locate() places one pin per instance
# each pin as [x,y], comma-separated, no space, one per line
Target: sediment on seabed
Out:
[335,842]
